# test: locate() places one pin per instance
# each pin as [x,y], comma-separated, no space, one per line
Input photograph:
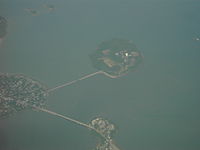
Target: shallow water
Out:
[155,107]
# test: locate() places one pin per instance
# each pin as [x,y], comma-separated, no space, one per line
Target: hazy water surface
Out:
[154,108]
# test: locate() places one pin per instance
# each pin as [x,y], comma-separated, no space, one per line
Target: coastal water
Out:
[154,108]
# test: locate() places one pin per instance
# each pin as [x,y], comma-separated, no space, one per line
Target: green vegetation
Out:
[19,92]
[116,57]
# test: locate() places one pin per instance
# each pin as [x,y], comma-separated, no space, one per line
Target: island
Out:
[116,57]
[3,27]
